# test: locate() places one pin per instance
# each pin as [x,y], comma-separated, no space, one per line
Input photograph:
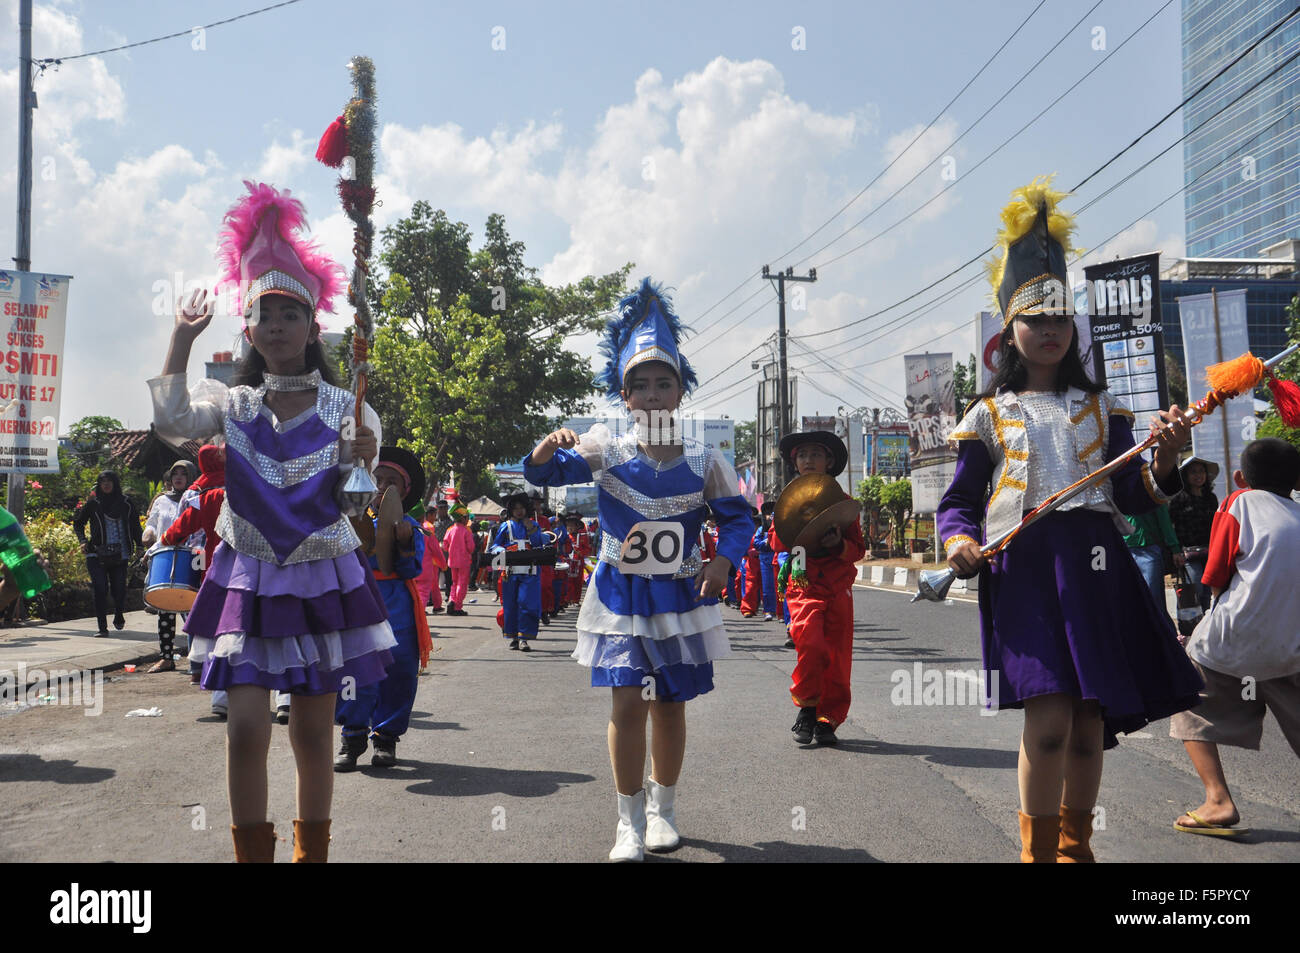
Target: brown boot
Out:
[311,842]
[1038,838]
[254,843]
[1076,829]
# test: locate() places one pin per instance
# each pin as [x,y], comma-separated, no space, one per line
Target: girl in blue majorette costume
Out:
[650,638]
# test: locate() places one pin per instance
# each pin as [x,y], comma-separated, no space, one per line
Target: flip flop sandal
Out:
[1211,830]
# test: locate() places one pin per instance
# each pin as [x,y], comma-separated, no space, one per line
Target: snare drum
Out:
[173,579]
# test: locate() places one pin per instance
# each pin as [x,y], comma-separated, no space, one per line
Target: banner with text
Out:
[1203,345]
[35,309]
[1128,341]
[931,415]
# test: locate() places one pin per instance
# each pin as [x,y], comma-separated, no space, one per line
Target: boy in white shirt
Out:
[1247,648]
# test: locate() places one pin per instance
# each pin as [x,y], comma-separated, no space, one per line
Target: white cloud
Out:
[1139,238]
[686,177]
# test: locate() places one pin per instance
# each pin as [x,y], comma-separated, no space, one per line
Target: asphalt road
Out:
[506,761]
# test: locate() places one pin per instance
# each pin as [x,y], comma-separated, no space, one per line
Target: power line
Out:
[892,162]
[1087,178]
[57,60]
[963,135]
[930,125]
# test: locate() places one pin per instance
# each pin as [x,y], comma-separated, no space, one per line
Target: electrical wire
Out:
[57,60]
[1093,174]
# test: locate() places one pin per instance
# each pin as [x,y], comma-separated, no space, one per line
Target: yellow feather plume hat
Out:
[1028,268]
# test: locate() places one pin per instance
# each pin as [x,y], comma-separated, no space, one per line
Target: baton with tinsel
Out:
[1230,379]
[349,144]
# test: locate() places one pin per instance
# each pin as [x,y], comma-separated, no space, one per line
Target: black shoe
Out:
[514,644]
[119,621]
[102,634]
[804,725]
[349,751]
[789,643]
[436,610]
[546,619]
[457,612]
[824,734]
[282,715]
[524,647]
[385,755]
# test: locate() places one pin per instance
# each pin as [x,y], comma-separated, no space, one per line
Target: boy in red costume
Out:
[821,602]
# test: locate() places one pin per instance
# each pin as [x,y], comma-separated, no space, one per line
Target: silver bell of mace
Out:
[359,489]
[933,584]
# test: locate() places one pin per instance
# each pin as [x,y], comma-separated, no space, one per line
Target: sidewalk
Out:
[72,645]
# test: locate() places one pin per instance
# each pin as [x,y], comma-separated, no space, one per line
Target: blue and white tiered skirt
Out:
[635,628]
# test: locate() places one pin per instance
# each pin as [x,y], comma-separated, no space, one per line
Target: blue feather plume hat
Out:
[645,329]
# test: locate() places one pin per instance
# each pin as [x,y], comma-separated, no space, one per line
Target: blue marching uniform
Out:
[634,626]
[521,591]
[765,569]
[384,708]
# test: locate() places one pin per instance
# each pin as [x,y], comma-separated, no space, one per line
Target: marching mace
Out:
[1227,380]
[349,145]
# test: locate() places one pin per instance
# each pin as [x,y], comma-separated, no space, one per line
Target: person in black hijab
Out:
[115,533]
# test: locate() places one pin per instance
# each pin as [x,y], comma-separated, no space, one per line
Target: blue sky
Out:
[693,139]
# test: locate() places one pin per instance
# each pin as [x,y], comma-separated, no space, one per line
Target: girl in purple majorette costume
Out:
[288,603]
[1070,632]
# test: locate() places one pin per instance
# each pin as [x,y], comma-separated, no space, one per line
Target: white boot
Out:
[661,819]
[629,843]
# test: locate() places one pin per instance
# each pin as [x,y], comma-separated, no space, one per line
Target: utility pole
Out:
[17,482]
[783,383]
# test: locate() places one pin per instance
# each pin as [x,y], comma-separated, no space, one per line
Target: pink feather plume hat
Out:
[261,252]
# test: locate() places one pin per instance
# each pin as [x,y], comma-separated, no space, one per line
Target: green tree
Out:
[1176,379]
[469,362]
[1272,425]
[746,441]
[896,501]
[870,495]
[963,382]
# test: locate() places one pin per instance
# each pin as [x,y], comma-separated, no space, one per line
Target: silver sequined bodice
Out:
[1054,463]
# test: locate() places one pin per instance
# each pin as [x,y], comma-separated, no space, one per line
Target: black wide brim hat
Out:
[414,471]
[839,453]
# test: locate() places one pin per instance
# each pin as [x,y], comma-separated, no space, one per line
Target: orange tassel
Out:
[1237,376]
[1286,397]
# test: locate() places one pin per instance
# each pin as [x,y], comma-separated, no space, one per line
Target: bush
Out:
[58,543]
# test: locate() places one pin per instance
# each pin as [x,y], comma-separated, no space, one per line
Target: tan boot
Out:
[311,842]
[254,843]
[1076,830]
[1038,838]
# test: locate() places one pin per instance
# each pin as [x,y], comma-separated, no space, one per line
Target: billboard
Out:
[1128,342]
[931,416]
[1208,341]
[35,310]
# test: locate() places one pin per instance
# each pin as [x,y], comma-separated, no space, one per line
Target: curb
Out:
[903,579]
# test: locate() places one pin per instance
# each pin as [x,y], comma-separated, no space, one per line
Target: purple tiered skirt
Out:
[1064,610]
[301,628]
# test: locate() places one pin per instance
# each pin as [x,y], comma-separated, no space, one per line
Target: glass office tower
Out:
[1242,165]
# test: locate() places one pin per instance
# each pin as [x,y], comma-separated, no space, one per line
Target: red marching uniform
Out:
[749,605]
[577,564]
[821,624]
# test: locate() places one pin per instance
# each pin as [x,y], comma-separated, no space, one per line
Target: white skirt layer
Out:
[325,652]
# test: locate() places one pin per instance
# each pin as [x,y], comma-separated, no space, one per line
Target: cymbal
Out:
[809,506]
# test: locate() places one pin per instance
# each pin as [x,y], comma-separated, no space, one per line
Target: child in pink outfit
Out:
[459,544]
[426,584]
